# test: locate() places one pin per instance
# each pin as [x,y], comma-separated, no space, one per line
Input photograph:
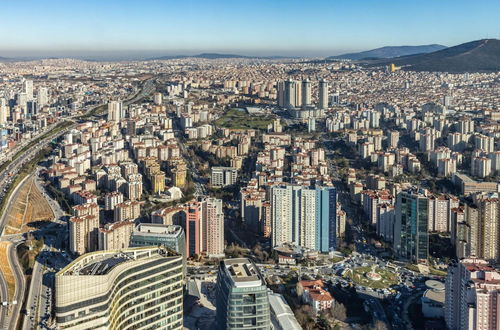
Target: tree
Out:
[379,325]
[323,322]
[338,311]
[305,317]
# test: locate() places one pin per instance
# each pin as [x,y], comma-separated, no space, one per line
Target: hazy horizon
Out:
[318,28]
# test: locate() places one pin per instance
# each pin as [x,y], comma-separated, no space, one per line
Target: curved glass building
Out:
[136,288]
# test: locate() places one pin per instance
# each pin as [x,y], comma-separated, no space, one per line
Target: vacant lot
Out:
[29,206]
[239,119]
[7,273]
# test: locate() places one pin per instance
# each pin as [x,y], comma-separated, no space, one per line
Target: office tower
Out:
[327,228]
[213,227]
[298,94]
[158,98]
[411,239]
[306,93]
[116,235]
[115,111]
[83,234]
[28,89]
[191,224]
[120,290]
[242,301]
[223,176]
[155,234]
[304,216]
[290,93]
[204,227]
[22,102]
[42,97]
[323,94]
[281,93]
[472,296]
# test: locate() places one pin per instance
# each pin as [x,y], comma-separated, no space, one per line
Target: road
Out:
[39,298]
[11,322]
[3,298]
[200,188]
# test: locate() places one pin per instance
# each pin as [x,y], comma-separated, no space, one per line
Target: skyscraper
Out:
[122,289]
[4,111]
[154,234]
[323,94]
[411,238]
[281,93]
[485,231]
[289,96]
[42,97]
[306,93]
[304,216]
[115,111]
[242,300]
[83,233]
[326,218]
[204,227]
[213,226]
[28,89]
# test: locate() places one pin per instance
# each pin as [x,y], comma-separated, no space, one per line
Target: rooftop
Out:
[102,262]
[156,229]
[243,272]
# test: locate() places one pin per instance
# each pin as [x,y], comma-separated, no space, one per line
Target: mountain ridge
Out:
[214,56]
[389,52]
[474,56]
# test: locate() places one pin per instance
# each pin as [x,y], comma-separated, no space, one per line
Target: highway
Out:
[3,298]
[39,301]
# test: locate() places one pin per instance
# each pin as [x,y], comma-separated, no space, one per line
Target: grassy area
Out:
[6,270]
[437,272]
[358,275]
[413,267]
[27,253]
[237,119]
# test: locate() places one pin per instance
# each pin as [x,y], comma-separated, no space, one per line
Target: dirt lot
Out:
[29,206]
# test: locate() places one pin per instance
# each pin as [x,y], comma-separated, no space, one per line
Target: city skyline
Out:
[257,165]
[127,29]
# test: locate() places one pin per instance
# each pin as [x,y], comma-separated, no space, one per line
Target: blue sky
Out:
[279,27]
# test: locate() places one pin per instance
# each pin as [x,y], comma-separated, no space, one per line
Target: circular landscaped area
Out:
[373,278]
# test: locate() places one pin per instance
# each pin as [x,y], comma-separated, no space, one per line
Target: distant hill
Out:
[475,56]
[389,52]
[215,56]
